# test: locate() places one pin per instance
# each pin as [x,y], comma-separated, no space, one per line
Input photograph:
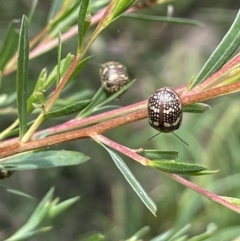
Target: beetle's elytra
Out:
[113,76]
[165,110]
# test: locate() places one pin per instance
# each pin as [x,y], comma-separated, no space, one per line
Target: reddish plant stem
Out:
[189,98]
[126,151]
[80,123]
[73,135]
[51,101]
[210,81]
[205,193]
[111,124]
[132,154]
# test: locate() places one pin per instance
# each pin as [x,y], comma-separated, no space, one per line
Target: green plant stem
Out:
[63,82]
[10,128]
[50,103]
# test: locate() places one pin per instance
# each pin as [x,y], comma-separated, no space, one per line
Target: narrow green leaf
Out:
[235,201]
[163,19]
[61,207]
[22,76]
[176,167]
[117,94]
[66,16]
[232,77]
[17,192]
[67,110]
[132,181]
[139,234]
[101,98]
[26,235]
[43,159]
[9,46]
[44,83]
[77,96]
[0,80]
[212,227]
[120,7]
[83,8]
[87,24]
[7,99]
[163,236]
[16,130]
[98,98]
[59,58]
[55,7]
[40,83]
[201,173]
[191,81]
[44,212]
[196,108]
[177,235]
[106,108]
[36,219]
[39,213]
[158,155]
[32,10]
[97,5]
[79,67]
[221,54]
[65,64]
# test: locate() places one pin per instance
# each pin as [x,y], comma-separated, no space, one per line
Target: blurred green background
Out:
[156,54]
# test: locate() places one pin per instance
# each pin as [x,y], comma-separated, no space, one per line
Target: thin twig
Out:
[111,124]
[206,193]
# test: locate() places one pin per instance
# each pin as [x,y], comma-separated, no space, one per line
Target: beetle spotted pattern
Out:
[165,110]
[113,76]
